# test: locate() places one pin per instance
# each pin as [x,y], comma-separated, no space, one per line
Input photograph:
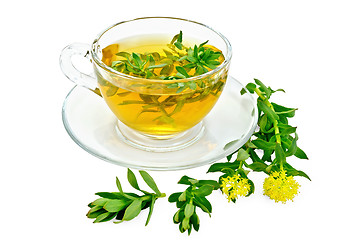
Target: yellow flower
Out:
[279,187]
[234,186]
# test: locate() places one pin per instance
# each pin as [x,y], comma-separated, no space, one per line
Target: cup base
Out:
[154,143]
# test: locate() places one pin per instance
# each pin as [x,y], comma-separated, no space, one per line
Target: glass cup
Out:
[153,114]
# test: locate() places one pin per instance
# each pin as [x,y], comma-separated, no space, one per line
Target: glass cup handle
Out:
[70,71]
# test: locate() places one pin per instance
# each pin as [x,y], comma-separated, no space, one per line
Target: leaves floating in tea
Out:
[188,61]
[164,113]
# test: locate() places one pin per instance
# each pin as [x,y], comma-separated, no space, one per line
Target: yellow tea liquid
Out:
[162,113]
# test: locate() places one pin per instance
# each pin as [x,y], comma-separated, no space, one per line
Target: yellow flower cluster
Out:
[279,187]
[234,186]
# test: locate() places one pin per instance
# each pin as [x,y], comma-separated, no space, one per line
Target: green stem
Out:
[275,122]
[277,133]
[160,106]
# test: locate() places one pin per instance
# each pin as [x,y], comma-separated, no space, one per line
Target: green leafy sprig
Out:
[187,201]
[276,138]
[141,65]
[125,206]
[270,146]
[184,59]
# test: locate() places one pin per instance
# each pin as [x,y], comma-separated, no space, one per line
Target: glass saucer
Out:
[92,125]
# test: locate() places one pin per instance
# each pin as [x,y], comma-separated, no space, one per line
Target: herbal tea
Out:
[164,101]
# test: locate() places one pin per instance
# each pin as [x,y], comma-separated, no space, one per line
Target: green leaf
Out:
[228,171]
[174,38]
[132,179]
[203,203]
[95,214]
[111,195]
[94,209]
[185,180]
[267,156]
[267,110]
[191,58]
[174,197]
[278,90]
[204,43]
[185,224]
[182,71]
[151,209]
[178,107]
[279,154]
[195,221]
[176,217]
[217,167]
[265,125]
[100,201]
[242,155]
[178,45]
[204,190]
[288,130]
[182,197]
[254,156]
[281,110]
[261,144]
[157,66]
[189,210]
[118,183]
[137,59]
[132,210]
[214,55]
[251,87]
[293,172]
[252,188]
[300,154]
[212,183]
[292,149]
[150,182]
[179,37]
[177,40]
[167,70]
[263,88]
[103,217]
[257,166]
[115,205]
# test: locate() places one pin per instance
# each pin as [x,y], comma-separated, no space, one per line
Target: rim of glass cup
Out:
[138,79]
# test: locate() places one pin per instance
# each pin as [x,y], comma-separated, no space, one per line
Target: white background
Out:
[311,48]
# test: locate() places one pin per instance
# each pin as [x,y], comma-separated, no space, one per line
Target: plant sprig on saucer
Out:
[125,206]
